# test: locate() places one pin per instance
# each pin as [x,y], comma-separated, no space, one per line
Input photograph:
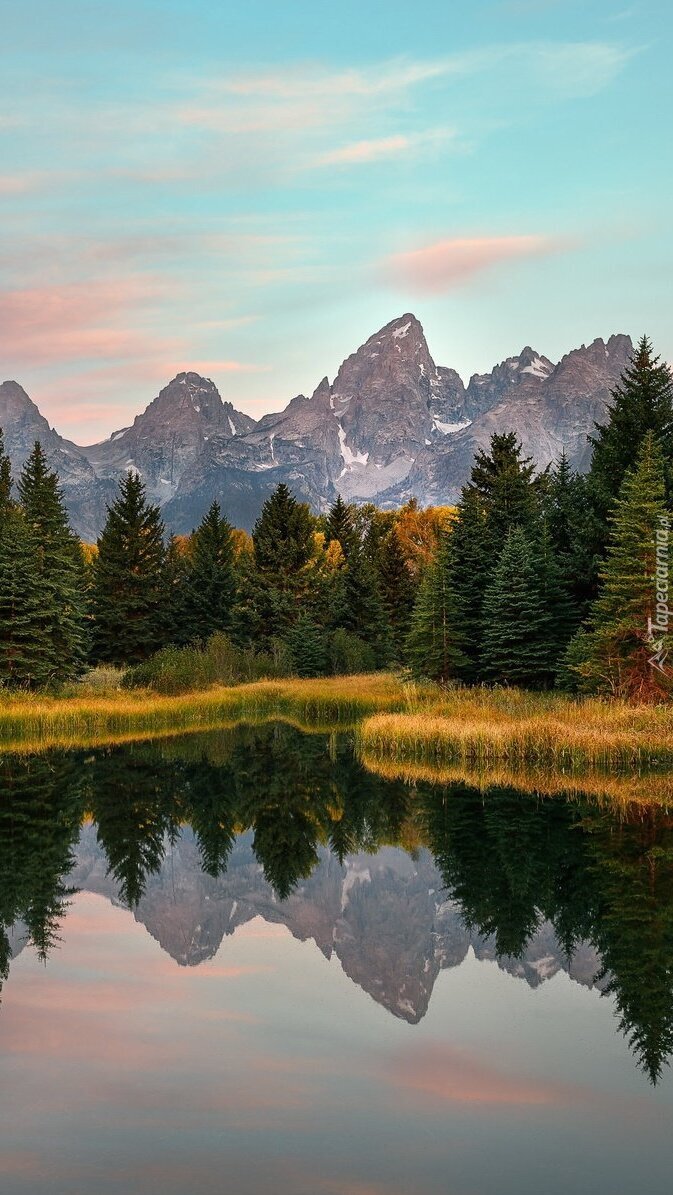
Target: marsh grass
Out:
[491,726]
[397,723]
[34,722]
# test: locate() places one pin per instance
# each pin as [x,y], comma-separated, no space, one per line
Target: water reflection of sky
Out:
[267,1070]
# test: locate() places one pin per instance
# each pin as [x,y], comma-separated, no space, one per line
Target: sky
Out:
[252,190]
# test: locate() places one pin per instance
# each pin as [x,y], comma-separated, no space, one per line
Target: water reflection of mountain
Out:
[385,917]
[398,882]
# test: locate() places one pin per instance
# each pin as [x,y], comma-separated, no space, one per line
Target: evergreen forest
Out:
[536,578]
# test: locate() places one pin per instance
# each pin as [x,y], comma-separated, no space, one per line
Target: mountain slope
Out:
[84,492]
[391,426]
[169,435]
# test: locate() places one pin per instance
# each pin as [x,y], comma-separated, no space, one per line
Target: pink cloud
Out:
[18,1163]
[366,151]
[380,148]
[451,263]
[76,321]
[19,184]
[209,367]
[309,83]
[305,97]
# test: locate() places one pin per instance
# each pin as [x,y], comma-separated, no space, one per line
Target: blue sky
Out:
[253,190]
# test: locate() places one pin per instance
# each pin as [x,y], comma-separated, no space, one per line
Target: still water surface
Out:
[241,963]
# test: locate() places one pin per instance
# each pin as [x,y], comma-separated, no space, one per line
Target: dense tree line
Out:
[535,579]
[558,578]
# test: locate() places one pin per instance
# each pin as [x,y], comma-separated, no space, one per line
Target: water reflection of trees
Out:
[511,859]
[40,816]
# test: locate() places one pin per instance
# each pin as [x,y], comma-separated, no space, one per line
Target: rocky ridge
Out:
[391,426]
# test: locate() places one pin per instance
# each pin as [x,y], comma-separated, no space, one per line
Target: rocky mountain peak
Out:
[187,397]
[398,352]
[14,401]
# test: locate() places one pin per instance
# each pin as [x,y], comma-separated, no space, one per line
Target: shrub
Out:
[217,662]
[349,654]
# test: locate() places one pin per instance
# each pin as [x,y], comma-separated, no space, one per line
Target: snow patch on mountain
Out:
[538,368]
[400,333]
[350,458]
[448,428]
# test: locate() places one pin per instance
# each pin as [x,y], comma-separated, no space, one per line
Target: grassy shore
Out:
[34,723]
[509,726]
[399,725]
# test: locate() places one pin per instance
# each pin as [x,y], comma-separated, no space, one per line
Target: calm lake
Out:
[240,962]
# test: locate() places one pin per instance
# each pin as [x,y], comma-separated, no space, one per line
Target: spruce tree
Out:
[502,493]
[518,644]
[341,527]
[398,589]
[555,590]
[210,578]
[365,612]
[128,589]
[26,660]
[278,581]
[434,643]
[567,515]
[642,402]
[473,559]
[176,628]
[625,649]
[60,563]
[283,536]
[505,483]
[308,646]
[5,478]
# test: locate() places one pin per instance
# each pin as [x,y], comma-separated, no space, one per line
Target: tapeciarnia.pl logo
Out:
[658,627]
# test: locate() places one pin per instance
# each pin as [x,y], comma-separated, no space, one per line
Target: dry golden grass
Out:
[495,726]
[33,723]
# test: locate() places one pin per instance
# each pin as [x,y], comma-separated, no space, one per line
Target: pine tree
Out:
[518,632]
[61,566]
[434,644]
[211,577]
[625,649]
[128,592]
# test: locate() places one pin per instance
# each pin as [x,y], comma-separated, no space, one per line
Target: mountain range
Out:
[391,426]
